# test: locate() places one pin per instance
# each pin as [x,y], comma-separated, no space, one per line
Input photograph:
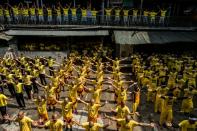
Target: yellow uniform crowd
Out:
[166,79]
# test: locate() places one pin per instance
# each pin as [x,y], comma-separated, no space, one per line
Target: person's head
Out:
[128,118]
[66,100]
[21,114]
[122,104]
[39,98]
[54,117]
[92,102]
[91,124]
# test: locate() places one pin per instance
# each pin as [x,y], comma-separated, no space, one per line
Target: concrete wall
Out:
[125,50]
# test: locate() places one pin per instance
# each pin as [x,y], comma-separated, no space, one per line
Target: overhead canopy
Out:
[5,37]
[153,37]
[56,33]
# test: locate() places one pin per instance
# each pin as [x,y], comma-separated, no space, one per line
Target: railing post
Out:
[103,11]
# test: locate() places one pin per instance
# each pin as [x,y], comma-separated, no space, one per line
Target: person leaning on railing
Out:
[40,15]
[74,14]
[65,11]
[33,14]
[15,15]
[145,16]
[152,17]
[84,15]
[108,15]
[117,15]
[162,15]
[126,16]
[134,17]
[94,12]
[49,14]
[58,11]
[25,13]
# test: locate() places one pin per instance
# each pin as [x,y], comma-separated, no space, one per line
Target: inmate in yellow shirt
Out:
[95,127]
[55,126]
[3,99]
[127,126]
[186,126]
[25,123]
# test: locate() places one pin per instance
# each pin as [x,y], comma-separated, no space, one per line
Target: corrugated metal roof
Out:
[154,37]
[56,33]
[5,37]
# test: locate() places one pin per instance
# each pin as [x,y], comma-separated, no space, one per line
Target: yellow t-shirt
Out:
[15,10]
[3,99]
[163,13]
[126,12]
[1,12]
[108,12]
[122,112]
[28,80]
[95,127]
[135,12]
[97,95]
[55,126]
[40,12]
[32,11]
[25,123]
[146,13]
[41,106]
[93,110]
[58,12]
[74,11]
[7,13]
[49,12]
[127,126]
[94,12]
[117,12]
[84,12]
[153,14]
[65,11]
[67,109]
[19,88]
[186,126]
[25,12]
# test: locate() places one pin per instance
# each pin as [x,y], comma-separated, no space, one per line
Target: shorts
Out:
[93,119]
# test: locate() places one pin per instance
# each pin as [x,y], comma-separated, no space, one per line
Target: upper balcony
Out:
[101,22]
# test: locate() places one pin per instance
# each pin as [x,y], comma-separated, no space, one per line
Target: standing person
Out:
[40,15]
[108,15]
[66,10]
[84,15]
[33,14]
[152,17]
[94,12]
[117,15]
[3,104]
[134,17]
[126,16]
[59,15]
[25,122]
[145,17]
[127,124]
[19,93]
[28,84]
[15,15]
[54,124]
[1,15]
[10,84]
[187,125]
[49,14]
[74,15]
[67,112]
[41,104]
[93,126]
[25,12]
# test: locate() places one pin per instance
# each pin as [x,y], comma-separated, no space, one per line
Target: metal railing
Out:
[100,20]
